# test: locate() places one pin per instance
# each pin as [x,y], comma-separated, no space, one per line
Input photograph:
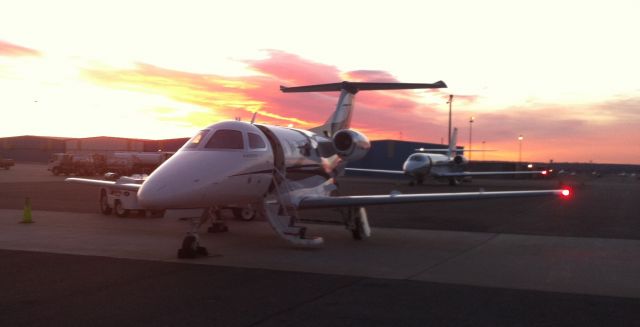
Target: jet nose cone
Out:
[415,167]
[153,195]
[182,182]
[410,167]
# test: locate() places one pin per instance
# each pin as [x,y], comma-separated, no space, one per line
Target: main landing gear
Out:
[190,246]
[357,222]
[453,181]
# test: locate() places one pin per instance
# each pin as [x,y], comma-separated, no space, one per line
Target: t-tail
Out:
[341,117]
[452,144]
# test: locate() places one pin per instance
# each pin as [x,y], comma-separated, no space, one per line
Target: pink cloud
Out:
[293,70]
[370,76]
[457,98]
[13,50]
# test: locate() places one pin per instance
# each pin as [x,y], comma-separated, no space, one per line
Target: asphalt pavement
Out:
[521,262]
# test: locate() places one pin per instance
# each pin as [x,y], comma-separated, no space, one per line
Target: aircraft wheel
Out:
[105,209]
[244,213]
[420,181]
[453,181]
[119,210]
[188,249]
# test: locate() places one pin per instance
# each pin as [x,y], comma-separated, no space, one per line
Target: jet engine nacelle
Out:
[350,145]
[460,160]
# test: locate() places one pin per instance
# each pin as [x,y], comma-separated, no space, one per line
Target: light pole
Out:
[520,138]
[470,132]
[449,132]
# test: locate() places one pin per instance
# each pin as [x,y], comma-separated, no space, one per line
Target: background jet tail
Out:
[452,144]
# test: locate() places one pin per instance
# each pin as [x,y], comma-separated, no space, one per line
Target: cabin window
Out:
[195,141]
[226,139]
[256,142]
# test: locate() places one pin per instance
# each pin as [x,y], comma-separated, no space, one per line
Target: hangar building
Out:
[390,154]
[384,154]
[29,148]
[102,145]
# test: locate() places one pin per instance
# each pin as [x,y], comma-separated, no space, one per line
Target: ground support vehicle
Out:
[65,163]
[6,163]
[123,202]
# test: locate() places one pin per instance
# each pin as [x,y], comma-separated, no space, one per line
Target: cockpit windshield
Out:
[195,141]
[226,139]
[416,158]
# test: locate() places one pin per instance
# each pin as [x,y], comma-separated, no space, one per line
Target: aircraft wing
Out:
[315,202]
[446,150]
[382,171]
[486,173]
[96,182]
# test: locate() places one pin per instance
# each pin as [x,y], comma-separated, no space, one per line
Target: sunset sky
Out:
[564,74]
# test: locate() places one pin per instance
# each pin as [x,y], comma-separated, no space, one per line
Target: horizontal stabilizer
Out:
[382,171]
[96,182]
[489,173]
[445,150]
[354,87]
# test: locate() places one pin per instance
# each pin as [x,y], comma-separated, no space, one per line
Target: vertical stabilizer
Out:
[452,144]
[341,117]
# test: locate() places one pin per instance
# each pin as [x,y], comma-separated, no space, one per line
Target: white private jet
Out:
[449,166]
[277,169]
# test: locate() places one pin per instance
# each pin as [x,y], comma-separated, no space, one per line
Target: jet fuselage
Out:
[232,162]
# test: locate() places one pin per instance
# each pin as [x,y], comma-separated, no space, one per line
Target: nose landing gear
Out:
[190,246]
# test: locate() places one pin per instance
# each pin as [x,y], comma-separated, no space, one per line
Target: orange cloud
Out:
[601,132]
[225,97]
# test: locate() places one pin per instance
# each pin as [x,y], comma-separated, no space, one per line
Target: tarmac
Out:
[504,263]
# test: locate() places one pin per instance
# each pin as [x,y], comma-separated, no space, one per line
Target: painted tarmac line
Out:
[594,266]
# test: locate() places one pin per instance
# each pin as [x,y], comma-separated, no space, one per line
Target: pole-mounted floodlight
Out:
[449,132]
[471,120]
[520,138]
